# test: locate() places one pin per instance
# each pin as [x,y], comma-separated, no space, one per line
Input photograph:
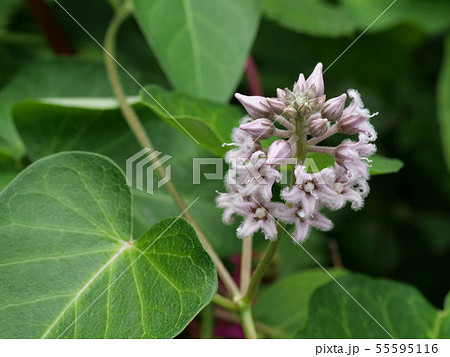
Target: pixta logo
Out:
[141,170]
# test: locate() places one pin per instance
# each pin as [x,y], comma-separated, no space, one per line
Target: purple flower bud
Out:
[276,105]
[281,94]
[260,128]
[305,109]
[300,86]
[317,103]
[317,126]
[279,151]
[333,108]
[290,95]
[351,123]
[255,105]
[290,112]
[316,79]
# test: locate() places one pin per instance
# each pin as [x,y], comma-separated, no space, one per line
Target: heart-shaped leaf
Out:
[201,45]
[77,125]
[71,267]
[399,310]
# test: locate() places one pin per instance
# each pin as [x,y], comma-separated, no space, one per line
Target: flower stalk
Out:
[246,263]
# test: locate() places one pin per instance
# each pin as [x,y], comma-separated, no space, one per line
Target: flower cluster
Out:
[298,119]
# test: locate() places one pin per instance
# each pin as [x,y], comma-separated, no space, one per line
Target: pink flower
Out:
[349,155]
[259,216]
[296,215]
[355,118]
[298,121]
[345,188]
[254,176]
[246,145]
[310,190]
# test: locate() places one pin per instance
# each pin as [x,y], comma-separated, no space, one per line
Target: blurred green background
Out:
[401,66]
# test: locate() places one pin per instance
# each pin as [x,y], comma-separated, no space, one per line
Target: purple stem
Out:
[252,76]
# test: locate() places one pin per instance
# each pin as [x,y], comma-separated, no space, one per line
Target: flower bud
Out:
[276,105]
[351,123]
[300,86]
[317,103]
[317,127]
[310,93]
[305,109]
[259,128]
[255,105]
[279,151]
[281,94]
[316,79]
[290,112]
[333,108]
[290,95]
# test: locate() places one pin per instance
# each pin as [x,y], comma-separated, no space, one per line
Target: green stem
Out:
[207,322]
[246,263]
[302,143]
[224,302]
[260,327]
[262,268]
[139,132]
[248,325]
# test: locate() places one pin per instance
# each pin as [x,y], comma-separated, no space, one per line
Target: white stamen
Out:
[309,187]
[260,213]
[339,187]
[301,214]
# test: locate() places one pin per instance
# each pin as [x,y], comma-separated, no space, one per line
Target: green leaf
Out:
[313,17]
[52,78]
[432,16]
[444,103]
[201,45]
[77,125]
[292,259]
[284,305]
[380,165]
[7,9]
[66,236]
[399,308]
[9,169]
[207,122]
[6,177]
